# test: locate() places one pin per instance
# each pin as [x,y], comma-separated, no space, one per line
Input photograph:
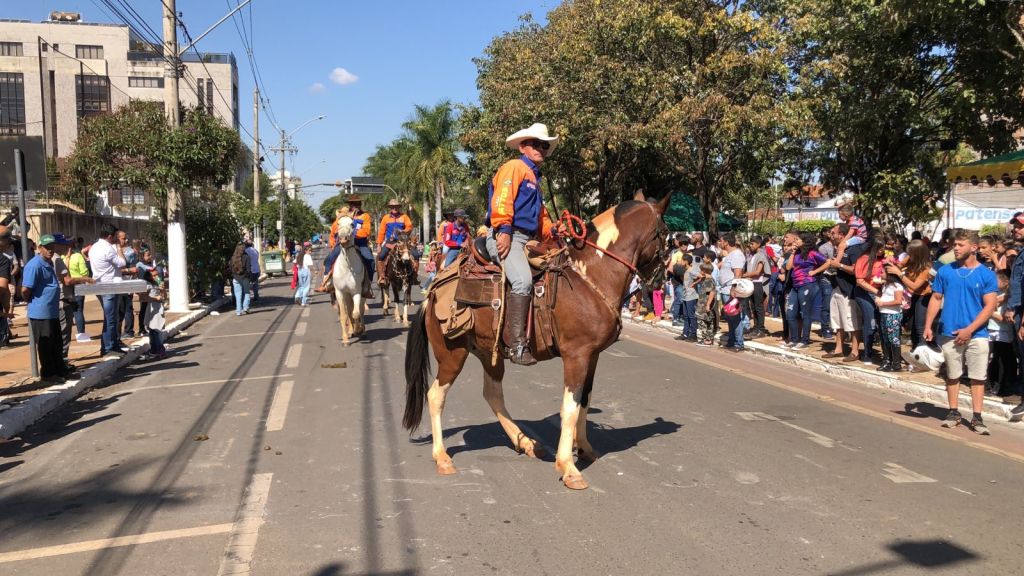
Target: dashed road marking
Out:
[901,475]
[279,407]
[811,435]
[305,312]
[294,354]
[242,543]
[104,543]
[300,329]
[618,353]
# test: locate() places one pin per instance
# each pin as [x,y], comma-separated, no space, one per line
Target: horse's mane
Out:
[618,211]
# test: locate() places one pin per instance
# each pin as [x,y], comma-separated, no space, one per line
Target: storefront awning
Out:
[1010,164]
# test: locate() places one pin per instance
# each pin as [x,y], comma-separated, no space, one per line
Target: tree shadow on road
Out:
[338,569]
[66,420]
[920,554]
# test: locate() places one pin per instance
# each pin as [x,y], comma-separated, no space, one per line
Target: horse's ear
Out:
[661,206]
[639,195]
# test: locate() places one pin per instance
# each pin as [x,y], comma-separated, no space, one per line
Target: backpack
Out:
[241,266]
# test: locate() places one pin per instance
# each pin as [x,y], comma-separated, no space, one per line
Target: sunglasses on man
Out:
[538,144]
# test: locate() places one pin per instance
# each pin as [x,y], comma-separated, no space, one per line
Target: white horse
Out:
[347,277]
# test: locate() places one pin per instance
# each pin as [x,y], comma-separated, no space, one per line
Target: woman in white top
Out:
[305,264]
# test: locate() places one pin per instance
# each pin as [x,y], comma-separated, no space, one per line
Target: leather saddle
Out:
[539,255]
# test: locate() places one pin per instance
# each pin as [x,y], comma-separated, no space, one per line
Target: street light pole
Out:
[282,192]
[177,260]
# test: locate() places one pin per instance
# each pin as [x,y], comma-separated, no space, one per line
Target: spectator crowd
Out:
[877,299]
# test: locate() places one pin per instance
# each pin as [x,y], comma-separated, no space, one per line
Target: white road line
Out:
[279,407]
[183,384]
[93,545]
[242,543]
[618,353]
[811,435]
[243,334]
[294,354]
[901,475]
[305,312]
[300,330]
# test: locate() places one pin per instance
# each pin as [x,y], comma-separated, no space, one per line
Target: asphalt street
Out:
[265,447]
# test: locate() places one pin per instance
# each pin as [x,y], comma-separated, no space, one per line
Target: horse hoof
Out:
[575,482]
[445,468]
[535,450]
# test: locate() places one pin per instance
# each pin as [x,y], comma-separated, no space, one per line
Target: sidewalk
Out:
[23,401]
[926,386]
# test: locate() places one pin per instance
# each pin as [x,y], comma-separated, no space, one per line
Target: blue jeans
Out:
[302,292]
[677,304]
[254,281]
[735,323]
[241,287]
[450,257]
[367,256]
[798,311]
[775,289]
[111,333]
[126,313]
[825,288]
[867,317]
[80,314]
[689,318]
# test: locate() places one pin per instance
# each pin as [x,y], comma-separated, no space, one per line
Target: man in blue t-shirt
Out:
[966,293]
[41,289]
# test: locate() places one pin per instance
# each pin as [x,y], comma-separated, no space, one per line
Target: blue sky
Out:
[401,53]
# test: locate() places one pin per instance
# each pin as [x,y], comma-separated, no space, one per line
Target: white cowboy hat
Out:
[535,132]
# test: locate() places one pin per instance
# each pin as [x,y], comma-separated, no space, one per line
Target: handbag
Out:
[732,308]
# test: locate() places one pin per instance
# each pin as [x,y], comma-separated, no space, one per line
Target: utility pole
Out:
[282,192]
[177,262]
[257,235]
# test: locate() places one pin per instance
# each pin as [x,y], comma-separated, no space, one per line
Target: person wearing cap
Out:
[41,289]
[455,236]
[516,214]
[391,225]
[62,248]
[1015,305]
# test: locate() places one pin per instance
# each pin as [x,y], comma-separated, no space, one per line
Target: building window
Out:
[83,52]
[209,96]
[93,95]
[200,92]
[12,103]
[127,197]
[12,49]
[145,82]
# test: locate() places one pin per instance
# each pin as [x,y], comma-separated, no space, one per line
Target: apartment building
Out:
[56,72]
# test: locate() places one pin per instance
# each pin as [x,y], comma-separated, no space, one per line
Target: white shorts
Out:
[972,357]
[845,313]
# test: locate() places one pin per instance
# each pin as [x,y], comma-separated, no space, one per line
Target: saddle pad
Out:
[478,291]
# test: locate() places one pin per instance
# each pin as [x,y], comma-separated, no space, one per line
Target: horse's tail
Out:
[417,370]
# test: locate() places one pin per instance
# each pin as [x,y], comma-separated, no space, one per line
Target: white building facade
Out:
[54,73]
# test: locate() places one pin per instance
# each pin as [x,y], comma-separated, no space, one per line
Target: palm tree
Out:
[432,130]
[397,163]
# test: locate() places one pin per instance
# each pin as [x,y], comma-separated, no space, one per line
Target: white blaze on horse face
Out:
[345,230]
[607,231]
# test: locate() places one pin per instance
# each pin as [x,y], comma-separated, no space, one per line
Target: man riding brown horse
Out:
[516,215]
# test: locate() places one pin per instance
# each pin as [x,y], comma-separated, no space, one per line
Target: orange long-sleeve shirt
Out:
[390,226]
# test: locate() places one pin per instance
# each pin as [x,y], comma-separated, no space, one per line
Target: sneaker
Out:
[833,355]
[1018,409]
[850,359]
[952,419]
[978,425]
[800,346]
[83,337]
[786,345]
[128,334]
[703,344]
[736,349]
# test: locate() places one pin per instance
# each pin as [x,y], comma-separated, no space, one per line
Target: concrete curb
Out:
[933,393]
[18,417]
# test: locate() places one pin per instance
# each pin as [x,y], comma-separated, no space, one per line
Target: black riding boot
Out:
[517,310]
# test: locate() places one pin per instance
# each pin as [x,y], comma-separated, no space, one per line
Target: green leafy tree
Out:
[432,133]
[135,148]
[888,83]
[655,94]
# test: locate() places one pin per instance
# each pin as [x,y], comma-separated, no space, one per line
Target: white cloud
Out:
[317,88]
[343,77]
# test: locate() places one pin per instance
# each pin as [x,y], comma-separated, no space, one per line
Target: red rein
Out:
[572,226]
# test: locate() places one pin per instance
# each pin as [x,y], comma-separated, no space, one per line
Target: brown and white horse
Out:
[626,239]
[399,275]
